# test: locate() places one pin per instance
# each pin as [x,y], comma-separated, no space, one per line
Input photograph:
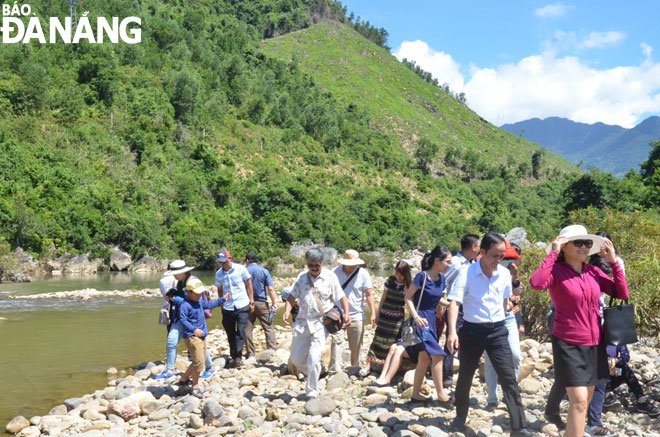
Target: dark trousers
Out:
[448,362]
[474,340]
[261,312]
[629,378]
[234,323]
[556,395]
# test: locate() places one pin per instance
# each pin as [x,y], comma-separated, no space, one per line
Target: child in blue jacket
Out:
[191,315]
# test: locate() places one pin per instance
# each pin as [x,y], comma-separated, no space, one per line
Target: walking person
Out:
[422,299]
[173,283]
[466,256]
[389,317]
[512,262]
[262,285]
[484,289]
[356,283]
[309,333]
[234,279]
[580,358]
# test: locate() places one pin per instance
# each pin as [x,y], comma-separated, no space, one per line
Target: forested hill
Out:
[199,137]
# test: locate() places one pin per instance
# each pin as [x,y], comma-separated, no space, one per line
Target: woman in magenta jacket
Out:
[580,358]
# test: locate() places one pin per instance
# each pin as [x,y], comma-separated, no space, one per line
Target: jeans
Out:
[514,342]
[174,336]
[596,406]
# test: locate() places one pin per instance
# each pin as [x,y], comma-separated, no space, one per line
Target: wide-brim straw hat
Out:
[351,258]
[178,266]
[579,232]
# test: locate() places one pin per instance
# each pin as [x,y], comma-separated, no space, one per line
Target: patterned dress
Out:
[390,320]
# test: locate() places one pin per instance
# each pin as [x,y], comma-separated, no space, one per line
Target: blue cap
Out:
[223,255]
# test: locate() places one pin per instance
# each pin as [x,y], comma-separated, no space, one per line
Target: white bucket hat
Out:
[351,258]
[178,266]
[579,232]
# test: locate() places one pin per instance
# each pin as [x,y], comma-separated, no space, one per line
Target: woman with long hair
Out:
[580,358]
[422,299]
[391,313]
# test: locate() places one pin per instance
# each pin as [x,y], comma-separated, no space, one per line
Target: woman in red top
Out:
[580,358]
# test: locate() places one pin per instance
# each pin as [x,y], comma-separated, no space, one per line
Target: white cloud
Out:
[598,40]
[553,10]
[440,64]
[549,85]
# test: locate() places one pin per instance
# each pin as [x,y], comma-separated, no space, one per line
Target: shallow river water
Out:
[51,349]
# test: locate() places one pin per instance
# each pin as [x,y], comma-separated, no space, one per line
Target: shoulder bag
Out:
[619,323]
[409,335]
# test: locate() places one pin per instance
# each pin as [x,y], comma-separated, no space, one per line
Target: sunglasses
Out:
[313,266]
[587,243]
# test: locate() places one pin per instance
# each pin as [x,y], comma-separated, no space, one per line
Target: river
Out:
[51,350]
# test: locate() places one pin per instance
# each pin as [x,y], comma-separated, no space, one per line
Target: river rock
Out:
[195,422]
[119,260]
[93,415]
[376,432]
[145,264]
[146,408]
[17,424]
[58,410]
[127,408]
[374,399]
[30,431]
[388,419]
[524,371]
[111,372]
[339,380]
[74,403]
[321,406]
[143,374]
[160,414]
[530,386]
[264,357]
[56,424]
[433,431]
[408,379]
[211,410]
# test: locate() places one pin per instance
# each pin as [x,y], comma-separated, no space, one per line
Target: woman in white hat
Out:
[580,358]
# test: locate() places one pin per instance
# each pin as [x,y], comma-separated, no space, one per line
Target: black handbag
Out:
[619,323]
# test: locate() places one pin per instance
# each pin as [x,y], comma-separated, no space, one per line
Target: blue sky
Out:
[588,61]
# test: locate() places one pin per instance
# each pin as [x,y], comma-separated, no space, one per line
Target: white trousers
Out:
[306,351]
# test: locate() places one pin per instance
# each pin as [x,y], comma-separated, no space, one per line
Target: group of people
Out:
[473,296]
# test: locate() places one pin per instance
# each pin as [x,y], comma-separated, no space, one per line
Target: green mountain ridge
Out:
[202,137]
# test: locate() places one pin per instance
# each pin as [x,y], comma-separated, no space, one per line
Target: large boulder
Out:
[17,424]
[147,264]
[129,408]
[26,262]
[298,250]
[321,406]
[519,237]
[82,264]
[119,260]
[329,256]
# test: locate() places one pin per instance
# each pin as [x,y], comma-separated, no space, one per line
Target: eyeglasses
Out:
[313,266]
[587,243]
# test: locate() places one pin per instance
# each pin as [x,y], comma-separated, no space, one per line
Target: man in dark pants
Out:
[236,280]
[484,289]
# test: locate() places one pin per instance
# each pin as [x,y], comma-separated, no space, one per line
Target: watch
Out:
[252,302]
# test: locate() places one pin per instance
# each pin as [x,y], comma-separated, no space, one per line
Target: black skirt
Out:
[579,366]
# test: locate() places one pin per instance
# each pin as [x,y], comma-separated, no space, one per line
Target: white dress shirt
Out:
[330,293]
[458,261]
[482,297]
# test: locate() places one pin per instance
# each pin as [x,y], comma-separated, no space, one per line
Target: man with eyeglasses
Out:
[309,333]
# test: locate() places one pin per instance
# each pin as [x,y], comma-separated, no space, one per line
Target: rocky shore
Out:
[262,399]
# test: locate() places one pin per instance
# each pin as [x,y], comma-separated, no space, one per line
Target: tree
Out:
[185,95]
[650,175]
[426,151]
[537,161]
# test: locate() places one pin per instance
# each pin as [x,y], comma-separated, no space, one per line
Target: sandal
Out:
[424,401]
[197,393]
[363,373]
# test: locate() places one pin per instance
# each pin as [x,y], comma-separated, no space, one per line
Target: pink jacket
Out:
[577,297]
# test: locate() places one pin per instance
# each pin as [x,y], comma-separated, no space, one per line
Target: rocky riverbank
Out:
[262,399]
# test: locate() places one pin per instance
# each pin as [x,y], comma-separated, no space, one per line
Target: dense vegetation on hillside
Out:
[197,138]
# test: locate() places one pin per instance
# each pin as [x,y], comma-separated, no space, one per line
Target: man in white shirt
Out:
[309,333]
[467,255]
[484,290]
[356,283]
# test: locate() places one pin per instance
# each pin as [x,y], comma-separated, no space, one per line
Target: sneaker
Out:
[612,403]
[556,420]
[324,372]
[649,408]
[598,431]
[208,373]
[491,406]
[166,374]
